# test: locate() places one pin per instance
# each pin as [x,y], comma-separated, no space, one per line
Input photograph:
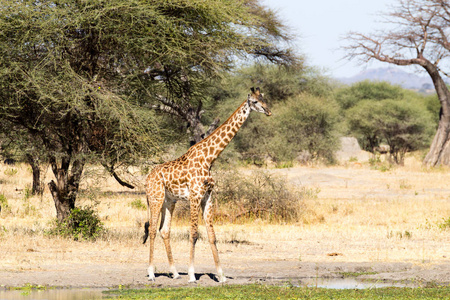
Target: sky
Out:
[321,24]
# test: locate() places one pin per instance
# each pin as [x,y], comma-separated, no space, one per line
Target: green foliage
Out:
[289,291]
[304,117]
[445,224]
[302,123]
[94,69]
[404,125]
[278,83]
[433,105]
[3,203]
[376,164]
[81,224]
[348,97]
[307,123]
[377,112]
[10,172]
[138,204]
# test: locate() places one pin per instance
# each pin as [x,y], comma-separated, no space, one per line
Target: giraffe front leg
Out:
[194,210]
[208,214]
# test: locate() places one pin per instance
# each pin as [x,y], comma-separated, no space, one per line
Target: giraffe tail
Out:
[146,226]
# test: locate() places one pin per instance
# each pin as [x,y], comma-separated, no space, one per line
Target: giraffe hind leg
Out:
[156,204]
[164,229]
[208,215]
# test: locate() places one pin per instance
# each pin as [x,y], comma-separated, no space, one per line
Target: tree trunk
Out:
[64,191]
[439,153]
[37,185]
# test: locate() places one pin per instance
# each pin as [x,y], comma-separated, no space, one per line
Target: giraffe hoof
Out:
[222,279]
[176,276]
[192,279]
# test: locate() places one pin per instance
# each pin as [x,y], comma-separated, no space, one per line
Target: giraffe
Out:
[189,178]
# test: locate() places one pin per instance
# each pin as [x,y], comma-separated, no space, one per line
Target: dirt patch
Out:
[377,225]
[241,267]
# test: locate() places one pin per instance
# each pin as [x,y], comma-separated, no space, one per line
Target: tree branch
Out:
[212,127]
[116,177]
[120,181]
[170,106]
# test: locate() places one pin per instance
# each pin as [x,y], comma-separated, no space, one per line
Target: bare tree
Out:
[420,37]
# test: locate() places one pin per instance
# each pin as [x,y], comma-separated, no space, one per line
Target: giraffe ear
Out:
[257,91]
[252,89]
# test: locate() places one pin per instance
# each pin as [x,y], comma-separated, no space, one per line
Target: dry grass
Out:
[356,212]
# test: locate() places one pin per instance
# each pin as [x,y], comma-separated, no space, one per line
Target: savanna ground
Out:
[372,223]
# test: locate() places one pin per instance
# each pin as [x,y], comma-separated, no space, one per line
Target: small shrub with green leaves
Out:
[138,204]
[10,172]
[81,224]
[3,203]
[445,224]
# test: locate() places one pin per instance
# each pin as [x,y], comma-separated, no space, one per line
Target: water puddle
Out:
[90,294]
[350,283]
[52,294]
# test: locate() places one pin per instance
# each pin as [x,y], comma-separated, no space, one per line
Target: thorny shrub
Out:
[240,196]
[258,194]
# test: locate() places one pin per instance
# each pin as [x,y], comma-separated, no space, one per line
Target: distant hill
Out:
[395,76]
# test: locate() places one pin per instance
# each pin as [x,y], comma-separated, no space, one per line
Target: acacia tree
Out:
[248,30]
[419,38]
[82,77]
[402,124]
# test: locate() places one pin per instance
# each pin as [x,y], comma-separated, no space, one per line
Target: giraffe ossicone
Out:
[189,178]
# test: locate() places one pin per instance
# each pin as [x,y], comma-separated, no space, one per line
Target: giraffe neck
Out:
[216,142]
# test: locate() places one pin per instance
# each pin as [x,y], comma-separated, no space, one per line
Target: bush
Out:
[404,125]
[81,224]
[256,195]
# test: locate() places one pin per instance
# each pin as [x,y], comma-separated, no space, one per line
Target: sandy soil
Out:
[243,263]
[351,238]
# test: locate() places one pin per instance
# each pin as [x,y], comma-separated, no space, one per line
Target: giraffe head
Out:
[257,103]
